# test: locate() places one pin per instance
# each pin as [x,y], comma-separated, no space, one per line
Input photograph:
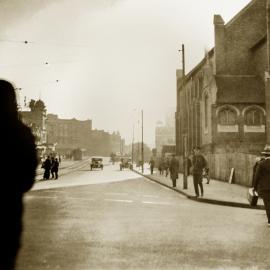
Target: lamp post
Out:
[185,154]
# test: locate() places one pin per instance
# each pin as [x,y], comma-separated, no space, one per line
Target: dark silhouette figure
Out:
[152,165]
[174,169]
[17,141]
[199,163]
[52,165]
[55,167]
[167,166]
[261,181]
[47,168]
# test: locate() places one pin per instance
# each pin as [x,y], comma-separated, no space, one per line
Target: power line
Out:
[42,43]
[16,41]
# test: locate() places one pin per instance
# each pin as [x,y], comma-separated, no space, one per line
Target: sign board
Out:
[231,176]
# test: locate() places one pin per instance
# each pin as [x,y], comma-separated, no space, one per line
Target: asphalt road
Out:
[117,220]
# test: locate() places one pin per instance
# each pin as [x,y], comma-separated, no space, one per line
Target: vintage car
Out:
[125,163]
[96,162]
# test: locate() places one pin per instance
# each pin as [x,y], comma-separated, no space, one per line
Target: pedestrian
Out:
[167,166]
[54,168]
[17,140]
[262,180]
[161,165]
[257,161]
[47,168]
[152,165]
[174,168]
[198,163]
[52,165]
[187,165]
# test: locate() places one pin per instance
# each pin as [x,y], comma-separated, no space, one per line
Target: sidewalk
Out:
[217,192]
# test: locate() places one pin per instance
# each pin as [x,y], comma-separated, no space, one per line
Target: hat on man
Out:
[266,150]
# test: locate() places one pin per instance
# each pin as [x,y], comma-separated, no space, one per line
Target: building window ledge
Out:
[254,129]
[227,128]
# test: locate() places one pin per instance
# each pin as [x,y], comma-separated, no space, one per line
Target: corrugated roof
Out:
[240,89]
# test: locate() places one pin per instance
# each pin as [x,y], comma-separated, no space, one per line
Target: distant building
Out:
[221,103]
[68,134]
[165,133]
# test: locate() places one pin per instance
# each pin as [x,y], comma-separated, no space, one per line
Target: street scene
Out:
[136,134]
[114,219]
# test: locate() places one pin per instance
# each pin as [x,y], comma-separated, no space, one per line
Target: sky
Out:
[106,60]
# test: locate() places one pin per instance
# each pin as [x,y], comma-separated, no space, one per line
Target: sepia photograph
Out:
[136,134]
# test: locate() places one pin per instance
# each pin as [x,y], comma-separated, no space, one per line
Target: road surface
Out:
[114,219]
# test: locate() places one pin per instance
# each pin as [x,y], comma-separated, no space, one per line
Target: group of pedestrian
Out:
[50,166]
[164,165]
[197,164]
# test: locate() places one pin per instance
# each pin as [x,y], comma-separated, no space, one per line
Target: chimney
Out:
[220,64]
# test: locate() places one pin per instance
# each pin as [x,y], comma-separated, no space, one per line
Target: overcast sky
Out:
[106,60]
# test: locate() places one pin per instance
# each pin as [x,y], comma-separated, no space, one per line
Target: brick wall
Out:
[243,32]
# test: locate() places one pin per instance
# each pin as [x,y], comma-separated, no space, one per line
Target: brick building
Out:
[70,134]
[223,103]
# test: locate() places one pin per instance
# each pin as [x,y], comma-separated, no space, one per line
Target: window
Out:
[227,117]
[254,117]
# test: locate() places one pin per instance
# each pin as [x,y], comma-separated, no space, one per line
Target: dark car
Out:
[125,164]
[96,162]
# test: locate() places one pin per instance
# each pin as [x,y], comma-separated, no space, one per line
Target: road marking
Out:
[115,193]
[81,199]
[161,203]
[151,196]
[39,197]
[126,201]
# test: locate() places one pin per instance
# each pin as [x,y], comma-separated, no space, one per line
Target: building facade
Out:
[70,134]
[67,134]
[222,103]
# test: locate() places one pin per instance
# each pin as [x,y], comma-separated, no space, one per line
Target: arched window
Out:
[254,117]
[227,117]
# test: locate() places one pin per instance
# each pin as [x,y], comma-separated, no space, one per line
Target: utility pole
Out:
[185,138]
[132,146]
[138,146]
[142,146]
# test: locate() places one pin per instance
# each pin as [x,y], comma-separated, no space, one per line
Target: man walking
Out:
[152,165]
[262,180]
[174,168]
[198,163]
